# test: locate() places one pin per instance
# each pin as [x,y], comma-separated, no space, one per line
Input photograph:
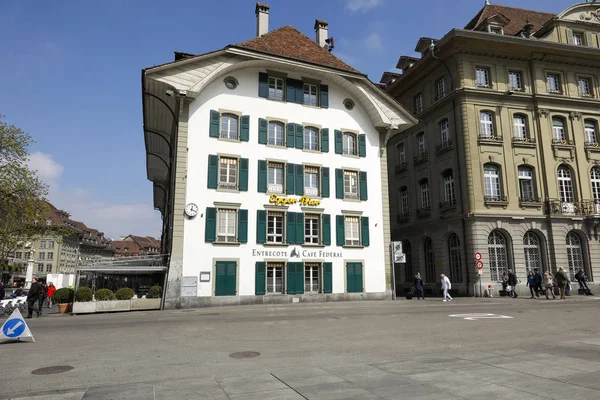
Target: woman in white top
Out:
[446,285]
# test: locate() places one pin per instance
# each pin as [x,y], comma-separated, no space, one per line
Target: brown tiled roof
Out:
[518,18]
[290,43]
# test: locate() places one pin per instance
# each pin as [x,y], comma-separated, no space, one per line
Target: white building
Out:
[269,168]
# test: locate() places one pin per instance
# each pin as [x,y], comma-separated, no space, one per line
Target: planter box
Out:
[84,307]
[113,305]
[145,304]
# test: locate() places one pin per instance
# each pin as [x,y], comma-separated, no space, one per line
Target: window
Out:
[42,256]
[444,132]
[482,77]
[449,194]
[18,255]
[429,261]
[350,184]
[565,185]
[349,143]
[275,134]
[226,225]
[311,138]
[585,87]
[311,95]
[441,88]
[418,103]
[275,177]
[553,81]
[275,227]
[491,176]
[498,255]
[312,228]
[558,128]
[275,88]
[520,126]
[404,210]
[595,181]
[48,267]
[311,181]
[401,154]
[424,190]
[352,231]
[275,278]
[487,124]
[311,278]
[50,256]
[574,254]
[496,30]
[515,80]
[533,252]
[50,244]
[578,38]
[41,267]
[42,244]
[228,173]
[229,126]
[455,259]
[526,186]
[421,147]
[590,132]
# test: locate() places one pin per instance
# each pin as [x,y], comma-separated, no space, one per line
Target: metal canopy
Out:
[127,264]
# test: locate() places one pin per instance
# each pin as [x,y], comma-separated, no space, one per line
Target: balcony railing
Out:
[447,145]
[586,208]
[495,199]
[593,144]
[523,140]
[530,200]
[402,216]
[401,167]
[422,157]
[447,205]
[490,139]
[228,185]
[562,142]
[424,211]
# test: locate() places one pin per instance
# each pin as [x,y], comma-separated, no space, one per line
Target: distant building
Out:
[132,246]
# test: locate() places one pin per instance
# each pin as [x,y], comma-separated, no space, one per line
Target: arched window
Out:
[404,210]
[408,267]
[498,255]
[424,194]
[486,118]
[533,252]
[590,131]
[429,261]
[595,181]
[229,126]
[565,185]
[558,129]
[455,259]
[444,132]
[311,138]
[574,254]
[276,134]
[449,193]
[526,183]
[520,126]
[491,176]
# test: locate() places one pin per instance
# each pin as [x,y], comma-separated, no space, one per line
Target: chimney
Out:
[262,19]
[321,30]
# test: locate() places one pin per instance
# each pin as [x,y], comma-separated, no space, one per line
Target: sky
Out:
[70,76]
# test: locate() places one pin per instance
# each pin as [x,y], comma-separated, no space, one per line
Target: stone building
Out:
[505,160]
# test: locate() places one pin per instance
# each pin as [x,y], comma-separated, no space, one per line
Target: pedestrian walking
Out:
[33,297]
[446,285]
[419,286]
[582,281]
[539,279]
[2,291]
[531,283]
[51,290]
[505,281]
[548,284]
[512,283]
[561,280]
[42,298]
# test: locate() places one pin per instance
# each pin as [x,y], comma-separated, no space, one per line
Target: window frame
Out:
[353,240]
[519,78]
[445,131]
[345,141]
[218,228]
[485,73]
[229,116]
[449,187]
[275,267]
[590,86]
[401,149]
[524,180]
[421,144]
[275,89]
[272,187]
[283,133]
[563,126]
[520,130]
[455,258]
[492,183]
[349,194]
[308,190]
[313,266]
[418,101]
[307,144]
[566,186]
[557,80]
[424,195]
[228,185]
[581,36]
[484,123]
[441,90]
[316,95]
[595,182]
[590,128]
[404,201]
[309,239]
[278,216]
[499,256]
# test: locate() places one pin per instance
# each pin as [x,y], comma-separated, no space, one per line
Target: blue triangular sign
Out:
[15,328]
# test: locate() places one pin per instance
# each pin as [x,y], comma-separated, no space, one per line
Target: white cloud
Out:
[361,5]
[48,170]
[374,41]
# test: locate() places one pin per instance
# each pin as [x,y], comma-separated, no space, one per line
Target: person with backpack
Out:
[512,283]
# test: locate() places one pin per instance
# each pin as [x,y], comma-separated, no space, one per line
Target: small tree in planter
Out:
[104,295]
[155,292]
[83,294]
[124,294]
[63,297]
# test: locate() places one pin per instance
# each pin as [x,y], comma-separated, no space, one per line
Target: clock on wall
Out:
[191,210]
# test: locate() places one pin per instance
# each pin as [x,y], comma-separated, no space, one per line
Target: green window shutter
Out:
[299,179]
[261,226]
[299,278]
[215,122]
[339,183]
[299,92]
[327,277]
[589,39]
[339,146]
[290,135]
[299,228]
[210,228]
[325,182]
[358,281]
[290,229]
[245,128]
[362,177]
[364,231]
[291,278]
[350,277]
[262,176]
[260,278]
[299,136]
[362,145]
[231,278]
[244,165]
[243,226]
[213,171]
[340,236]
[220,278]
[291,90]
[569,36]
[290,178]
[326,221]
[325,140]
[324,96]
[263,85]
[263,128]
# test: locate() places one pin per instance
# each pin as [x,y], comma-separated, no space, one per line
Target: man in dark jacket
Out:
[512,281]
[539,278]
[561,280]
[32,297]
[2,292]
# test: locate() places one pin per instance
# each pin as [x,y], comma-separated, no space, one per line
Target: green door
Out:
[226,278]
[354,277]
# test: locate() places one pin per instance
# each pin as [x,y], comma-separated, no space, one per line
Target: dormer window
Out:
[495,30]
[578,38]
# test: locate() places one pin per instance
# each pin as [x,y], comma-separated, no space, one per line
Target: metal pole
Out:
[480,286]
[393,272]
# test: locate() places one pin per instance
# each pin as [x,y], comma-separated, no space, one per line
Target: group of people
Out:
[37,295]
[446,286]
[545,283]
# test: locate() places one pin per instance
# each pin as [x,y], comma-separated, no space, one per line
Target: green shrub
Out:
[155,292]
[62,296]
[104,295]
[83,294]
[124,294]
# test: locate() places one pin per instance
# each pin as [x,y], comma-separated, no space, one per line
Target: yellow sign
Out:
[284,201]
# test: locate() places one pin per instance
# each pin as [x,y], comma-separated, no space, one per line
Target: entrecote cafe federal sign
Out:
[296,253]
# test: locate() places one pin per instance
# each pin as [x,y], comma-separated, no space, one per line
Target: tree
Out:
[23,210]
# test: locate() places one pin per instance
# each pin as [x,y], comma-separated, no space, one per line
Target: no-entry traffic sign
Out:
[478,256]
[479,265]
